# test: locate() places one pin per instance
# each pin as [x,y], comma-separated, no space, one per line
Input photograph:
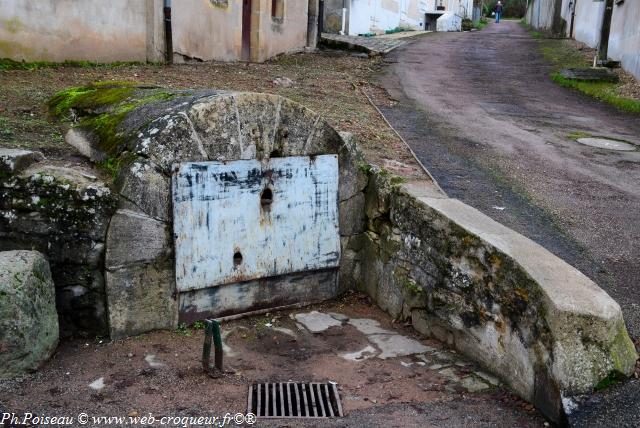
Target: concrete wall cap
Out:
[566,288]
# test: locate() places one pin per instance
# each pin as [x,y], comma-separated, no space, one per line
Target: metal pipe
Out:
[212,334]
[168,33]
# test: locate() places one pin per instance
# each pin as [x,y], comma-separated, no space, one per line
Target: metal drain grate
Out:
[294,400]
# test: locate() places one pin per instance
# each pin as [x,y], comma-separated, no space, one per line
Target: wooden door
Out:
[246,30]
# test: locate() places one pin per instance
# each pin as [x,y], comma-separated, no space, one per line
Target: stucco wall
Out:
[624,40]
[377,16]
[540,14]
[588,22]
[94,30]
[288,34]
[122,30]
[207,32]
[464,8]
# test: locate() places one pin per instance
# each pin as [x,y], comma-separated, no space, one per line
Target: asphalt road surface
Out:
[481,113]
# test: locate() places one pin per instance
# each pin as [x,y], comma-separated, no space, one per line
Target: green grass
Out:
[608,381]
[483,22]
[9,64]
[603,91]
[577,135]
[561,55]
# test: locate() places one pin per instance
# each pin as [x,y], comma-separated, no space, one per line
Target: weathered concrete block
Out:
[28,318]
[81,140]
[70,200]
[352,217]
[141,299]
[168,140]
[295,130]
[353,178]
[590,74]
[13,161]
[215,120]
[257,119]
[526,315]
[134,238]
[145,186]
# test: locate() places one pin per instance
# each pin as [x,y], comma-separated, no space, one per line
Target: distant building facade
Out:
[584,19]
[126,30]
[355,17]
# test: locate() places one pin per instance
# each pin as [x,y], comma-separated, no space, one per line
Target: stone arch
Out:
[186,126]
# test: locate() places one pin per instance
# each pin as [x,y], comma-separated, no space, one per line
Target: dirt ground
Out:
[329,83]
[502,138]
[161,374]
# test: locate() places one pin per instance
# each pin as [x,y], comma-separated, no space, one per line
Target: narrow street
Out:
[483,116]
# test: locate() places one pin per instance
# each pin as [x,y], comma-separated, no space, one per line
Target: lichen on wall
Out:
[63,213]
[492,294]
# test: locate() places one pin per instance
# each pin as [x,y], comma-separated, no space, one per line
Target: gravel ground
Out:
[328,82]
[161,374]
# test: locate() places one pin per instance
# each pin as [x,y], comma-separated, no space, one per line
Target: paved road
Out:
[481,113]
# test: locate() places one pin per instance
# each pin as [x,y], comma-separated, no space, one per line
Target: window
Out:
[277,9]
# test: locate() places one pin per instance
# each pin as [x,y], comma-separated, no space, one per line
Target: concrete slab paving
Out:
[394,345]
[317,322]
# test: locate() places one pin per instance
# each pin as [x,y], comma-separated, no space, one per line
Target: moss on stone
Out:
[88,99]
[102,107]
[623,353]
[113,165]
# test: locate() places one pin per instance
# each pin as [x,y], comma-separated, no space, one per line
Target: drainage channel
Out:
[294,400]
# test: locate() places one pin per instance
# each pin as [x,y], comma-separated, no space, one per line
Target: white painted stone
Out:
[361,355]
[153,362]
[97,384]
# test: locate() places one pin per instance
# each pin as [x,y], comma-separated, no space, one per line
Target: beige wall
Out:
[624,39]
[93,30]
[133,30]
[207,32]
[280,36]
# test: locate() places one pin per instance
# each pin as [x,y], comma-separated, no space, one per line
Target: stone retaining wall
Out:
[63,213]
[539,324]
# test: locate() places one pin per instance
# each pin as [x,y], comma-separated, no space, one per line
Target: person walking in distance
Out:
[498,11]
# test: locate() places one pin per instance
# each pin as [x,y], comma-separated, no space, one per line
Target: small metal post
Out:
[212,334]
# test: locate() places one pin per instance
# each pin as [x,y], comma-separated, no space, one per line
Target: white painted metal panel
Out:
[225,232]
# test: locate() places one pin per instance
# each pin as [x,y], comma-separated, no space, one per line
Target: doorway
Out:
[246,30]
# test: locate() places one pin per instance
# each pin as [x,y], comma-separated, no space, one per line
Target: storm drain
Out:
[294,400]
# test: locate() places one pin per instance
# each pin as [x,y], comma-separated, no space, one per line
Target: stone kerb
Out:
[542,326]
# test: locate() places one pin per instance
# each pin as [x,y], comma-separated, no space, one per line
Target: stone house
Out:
[122,30]
[354,17]
[591,22]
